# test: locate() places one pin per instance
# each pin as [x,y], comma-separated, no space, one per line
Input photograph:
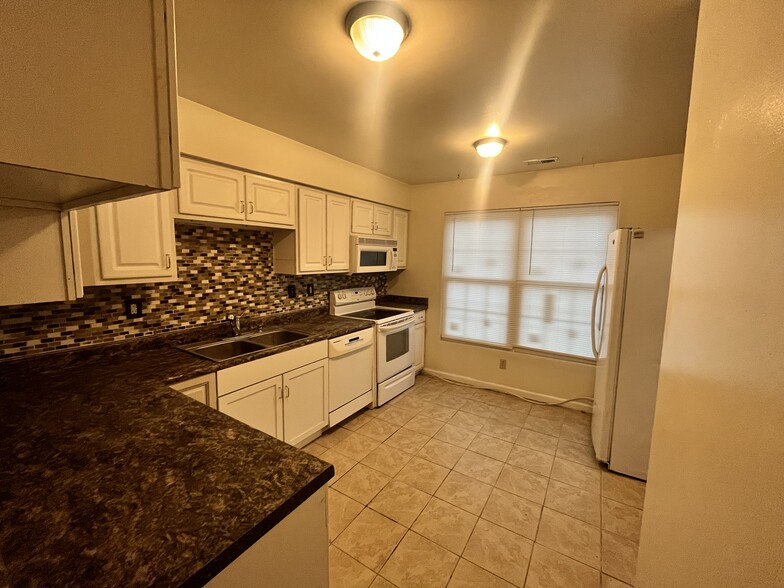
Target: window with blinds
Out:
[525,277]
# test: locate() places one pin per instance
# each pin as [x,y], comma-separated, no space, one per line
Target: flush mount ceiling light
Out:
[489,146]
[377,29]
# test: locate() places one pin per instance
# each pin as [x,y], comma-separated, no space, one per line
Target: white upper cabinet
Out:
[88,107]
[371,219]
[216,193]
[311,233]
[338,238]
[127,242]
[400,234]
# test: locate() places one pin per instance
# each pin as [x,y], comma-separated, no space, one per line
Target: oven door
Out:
[372,258]
[394,347]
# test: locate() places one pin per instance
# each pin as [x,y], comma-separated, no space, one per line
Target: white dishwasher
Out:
[351,363]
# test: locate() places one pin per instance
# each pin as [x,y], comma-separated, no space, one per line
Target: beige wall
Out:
[648,192]
[211,134]
[714,512]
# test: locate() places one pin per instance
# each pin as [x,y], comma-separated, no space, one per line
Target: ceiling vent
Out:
[541,161]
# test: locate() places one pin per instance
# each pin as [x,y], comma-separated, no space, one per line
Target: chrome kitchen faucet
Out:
[236,326]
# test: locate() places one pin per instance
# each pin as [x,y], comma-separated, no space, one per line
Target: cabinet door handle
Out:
[324,263]
[250,207]
[242,206]
[330,260]
[281,391]
[168,261]
[288,392]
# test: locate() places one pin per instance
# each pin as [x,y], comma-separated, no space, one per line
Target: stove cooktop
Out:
[376,314]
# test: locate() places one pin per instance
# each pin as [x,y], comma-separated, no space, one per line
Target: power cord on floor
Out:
[536,402]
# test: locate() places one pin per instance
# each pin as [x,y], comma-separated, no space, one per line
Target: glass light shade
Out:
[489,146]
[377,37]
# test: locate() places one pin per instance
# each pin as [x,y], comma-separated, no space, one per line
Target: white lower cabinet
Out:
[284,395]
[201,389]
[419,341]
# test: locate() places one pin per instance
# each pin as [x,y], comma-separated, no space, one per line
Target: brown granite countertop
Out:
[415,303]
[108,477]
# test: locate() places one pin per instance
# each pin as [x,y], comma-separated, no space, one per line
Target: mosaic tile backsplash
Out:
[221,270]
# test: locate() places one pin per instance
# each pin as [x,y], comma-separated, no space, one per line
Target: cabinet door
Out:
[202,389]
[400,234]
[136,238]
[312,243]
[338,227]
[382,221]
[269,202]
[419,346]
[212,191]
[361,217]
[259,406]
[305,401]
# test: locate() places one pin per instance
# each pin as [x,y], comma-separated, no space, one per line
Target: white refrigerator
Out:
[630,303]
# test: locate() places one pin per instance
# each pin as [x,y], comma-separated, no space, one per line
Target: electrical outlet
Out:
[292,290]
[133,308]
[310,289]
[502,364]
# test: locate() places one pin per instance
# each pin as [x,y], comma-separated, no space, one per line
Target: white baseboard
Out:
[580,405]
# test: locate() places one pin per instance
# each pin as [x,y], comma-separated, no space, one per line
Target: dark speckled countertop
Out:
[108,477]
[413,302]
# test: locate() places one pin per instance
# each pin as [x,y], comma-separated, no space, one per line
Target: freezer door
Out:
[610,315]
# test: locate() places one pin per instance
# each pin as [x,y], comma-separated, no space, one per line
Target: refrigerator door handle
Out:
[597,286]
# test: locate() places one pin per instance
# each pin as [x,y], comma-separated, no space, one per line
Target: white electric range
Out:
[394,337]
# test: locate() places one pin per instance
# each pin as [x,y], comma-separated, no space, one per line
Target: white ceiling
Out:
[588,81]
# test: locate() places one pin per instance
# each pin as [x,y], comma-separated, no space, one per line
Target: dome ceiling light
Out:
[489,146]
[377,29]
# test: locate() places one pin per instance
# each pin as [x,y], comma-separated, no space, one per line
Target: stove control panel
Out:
[352,296]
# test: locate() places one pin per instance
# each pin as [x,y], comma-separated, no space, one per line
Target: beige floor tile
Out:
[467,421]
[380,582]
[423,475]
[400,502]
[531,460]
[410,402]
[424,425]
[570,537]
[333,436]
[355,422]
[485,469]
[577,432]
[508,416]
[556,413]
[438,412]
[449,399]
[574,502]
[550,569]
[582,454]
[619,557]
[314,449]
[491,446]
[622,489]
[387,460]
[542,425]
[445,524]
[341,462]
[356,446]
[578,475]
[407,440]
[370,538]
[464,492]
[478,408]
[499,551]
[468,575]
[377,429]
[419,562]
[512,512]
[346,572]
[394,414]
[441,452]
[610,582]
[501,430]
[341,510]
[361,483]
[523,483]
[538,441]
[621,519]
[455,435]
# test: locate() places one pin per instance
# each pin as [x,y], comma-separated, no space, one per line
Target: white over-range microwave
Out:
[372,255]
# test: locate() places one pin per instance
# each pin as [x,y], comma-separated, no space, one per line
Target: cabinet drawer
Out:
[240,376]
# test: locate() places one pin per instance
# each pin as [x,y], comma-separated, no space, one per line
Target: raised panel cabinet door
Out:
[136,238]
[338,232]
[311,239]
[400,234]
[212,191]
[361,217]
[382,221]
[419,346]
[259,406]
[305,401]
[269,202]
[202,389]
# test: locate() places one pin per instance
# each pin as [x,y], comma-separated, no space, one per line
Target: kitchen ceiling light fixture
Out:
[377,29]
[489,146]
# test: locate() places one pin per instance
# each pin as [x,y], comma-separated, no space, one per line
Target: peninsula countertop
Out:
[108,477]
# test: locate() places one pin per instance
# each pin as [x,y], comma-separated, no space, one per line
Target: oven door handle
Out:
[397,325]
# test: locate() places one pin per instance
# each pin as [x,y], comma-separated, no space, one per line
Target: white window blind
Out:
[524,278]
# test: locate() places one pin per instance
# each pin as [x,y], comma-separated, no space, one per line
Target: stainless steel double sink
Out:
[223,349]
